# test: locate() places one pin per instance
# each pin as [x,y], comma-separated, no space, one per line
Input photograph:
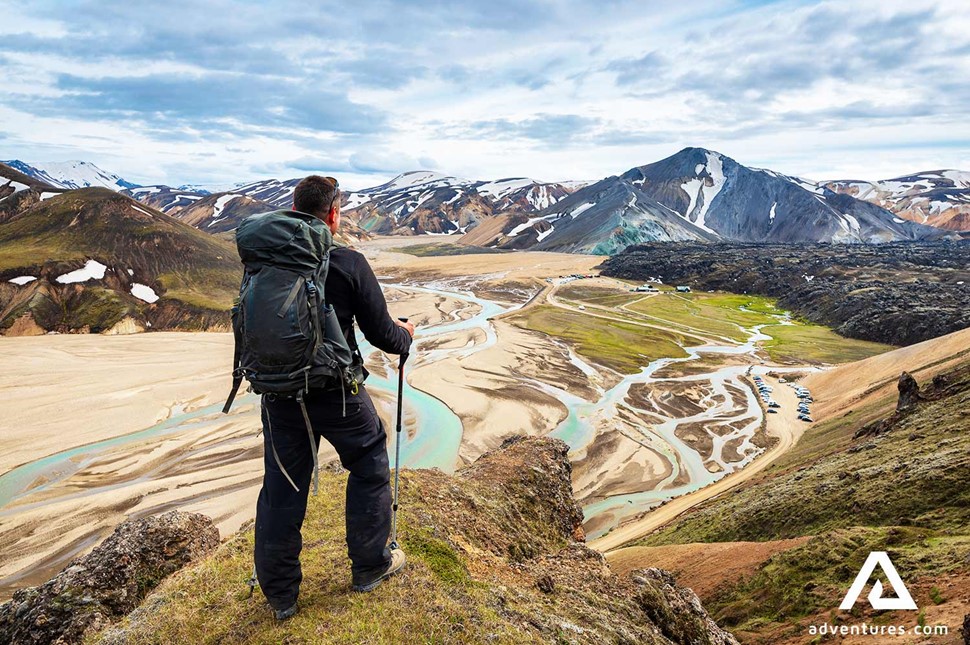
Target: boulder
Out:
[109,582]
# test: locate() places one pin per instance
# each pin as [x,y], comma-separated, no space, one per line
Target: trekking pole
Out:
[397,446]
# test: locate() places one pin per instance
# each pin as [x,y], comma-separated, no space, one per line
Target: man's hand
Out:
[406,325]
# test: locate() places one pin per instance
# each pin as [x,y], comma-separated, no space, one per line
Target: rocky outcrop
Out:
[109,582]
[899,294]
[908,391]
[495,555]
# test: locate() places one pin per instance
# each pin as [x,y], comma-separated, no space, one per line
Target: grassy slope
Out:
[184,265]
[807,342]
[723,314]
[621,346]
[477,543]
[904,491]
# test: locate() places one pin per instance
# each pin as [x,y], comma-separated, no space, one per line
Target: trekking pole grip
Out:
[404,356]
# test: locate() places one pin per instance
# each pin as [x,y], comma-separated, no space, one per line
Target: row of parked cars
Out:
[764,391]
[804,396]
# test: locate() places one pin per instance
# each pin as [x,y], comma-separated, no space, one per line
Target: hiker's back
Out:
[287,336]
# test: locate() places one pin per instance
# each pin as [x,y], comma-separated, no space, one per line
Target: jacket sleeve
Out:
[370,310]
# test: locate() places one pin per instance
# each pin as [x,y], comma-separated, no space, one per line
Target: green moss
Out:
[625,347]
[717,314]
[443,561]
[807,342]
[810,578]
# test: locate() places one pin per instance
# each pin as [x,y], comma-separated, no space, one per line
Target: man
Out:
[348,421]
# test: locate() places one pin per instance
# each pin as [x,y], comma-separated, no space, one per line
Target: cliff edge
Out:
[496,555]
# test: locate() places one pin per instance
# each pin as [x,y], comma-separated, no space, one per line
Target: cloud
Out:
[550,129]
[552,88]
[230,102]
[637,70]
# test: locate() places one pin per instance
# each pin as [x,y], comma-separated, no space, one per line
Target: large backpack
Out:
[287,338]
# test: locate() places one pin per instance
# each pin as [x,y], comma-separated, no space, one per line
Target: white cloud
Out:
[553,90]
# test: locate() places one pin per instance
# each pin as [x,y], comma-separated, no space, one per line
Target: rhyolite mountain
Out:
[166,199]
[19,191]
[423,202]
[71,174]
[693,195]
[702,195]
[95,260]
[939,198]
[222,212]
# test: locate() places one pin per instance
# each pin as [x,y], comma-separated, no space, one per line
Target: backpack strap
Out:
[315,289]
[237,373]
[313,442]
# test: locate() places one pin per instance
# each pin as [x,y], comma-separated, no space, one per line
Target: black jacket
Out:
[354,293]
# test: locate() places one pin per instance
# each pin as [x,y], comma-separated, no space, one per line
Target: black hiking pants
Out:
[360,441]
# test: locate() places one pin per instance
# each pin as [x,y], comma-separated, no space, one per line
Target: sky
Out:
[216,92]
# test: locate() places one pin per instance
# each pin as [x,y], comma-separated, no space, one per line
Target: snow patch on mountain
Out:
[419,178]
[693,189]
[22,280]
[144,292]
[92,270]
[221,204]
[502,187]
[356,199]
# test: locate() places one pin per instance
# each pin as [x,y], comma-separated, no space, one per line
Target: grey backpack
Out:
[288,339]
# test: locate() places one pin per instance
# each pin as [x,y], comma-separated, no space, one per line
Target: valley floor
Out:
[651,391]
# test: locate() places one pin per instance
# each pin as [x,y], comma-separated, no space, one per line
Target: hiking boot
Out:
[283,614]
[397,563]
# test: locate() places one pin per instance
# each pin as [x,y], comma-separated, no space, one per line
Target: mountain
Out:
[71,174]
[701,195]
[603,218]
[424,202]
[19,192]
[95,260]
[169,200]
[739,203]
[221,211]
[938,198]
[278,193]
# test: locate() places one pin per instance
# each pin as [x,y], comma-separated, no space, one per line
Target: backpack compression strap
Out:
[237,374]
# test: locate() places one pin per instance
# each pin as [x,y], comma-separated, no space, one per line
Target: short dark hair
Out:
[314,195]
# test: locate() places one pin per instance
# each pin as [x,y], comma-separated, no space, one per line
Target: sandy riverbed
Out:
[65,391]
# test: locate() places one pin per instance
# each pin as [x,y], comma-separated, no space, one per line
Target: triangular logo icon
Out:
[879,558]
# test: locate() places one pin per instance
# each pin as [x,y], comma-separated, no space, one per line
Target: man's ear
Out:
[332,216]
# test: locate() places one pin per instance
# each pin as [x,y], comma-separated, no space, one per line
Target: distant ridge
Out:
[694,195]
[71,174]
